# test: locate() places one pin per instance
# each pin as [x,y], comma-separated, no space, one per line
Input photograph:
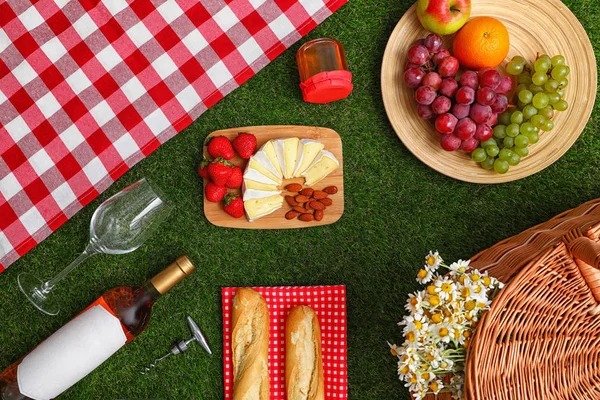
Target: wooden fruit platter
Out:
[545,26]
[333,143]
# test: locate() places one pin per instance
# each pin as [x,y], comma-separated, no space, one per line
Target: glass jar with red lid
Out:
[323,69]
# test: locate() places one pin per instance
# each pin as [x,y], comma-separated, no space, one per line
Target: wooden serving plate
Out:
[333,143]
[545,26]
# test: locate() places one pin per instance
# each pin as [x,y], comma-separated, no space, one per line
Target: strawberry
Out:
[234,205]
[219,171]
[245,144]
[236,178]
[203,167]
[220,146]
[214,192]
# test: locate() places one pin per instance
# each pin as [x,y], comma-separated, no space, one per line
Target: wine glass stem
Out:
[47,287]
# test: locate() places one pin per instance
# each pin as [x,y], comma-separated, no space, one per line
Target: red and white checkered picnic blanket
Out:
[88,88]
[329,303]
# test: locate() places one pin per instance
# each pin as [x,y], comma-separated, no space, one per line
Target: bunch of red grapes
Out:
[465,108]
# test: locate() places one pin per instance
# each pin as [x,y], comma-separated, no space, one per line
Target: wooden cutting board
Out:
[333,143]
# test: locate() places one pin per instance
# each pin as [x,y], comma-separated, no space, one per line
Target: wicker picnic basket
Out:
[541,337]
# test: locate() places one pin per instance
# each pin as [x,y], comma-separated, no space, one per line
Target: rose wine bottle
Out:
[89,339]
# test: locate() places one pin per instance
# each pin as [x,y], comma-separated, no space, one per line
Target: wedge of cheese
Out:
[287,150]
[258,194]
[324,164]
[308,150]
[250,184]
[269,149]
[261,163]
[255,175]
[258,203]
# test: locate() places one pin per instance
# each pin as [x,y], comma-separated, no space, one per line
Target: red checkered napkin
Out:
[88,88]
[329,302]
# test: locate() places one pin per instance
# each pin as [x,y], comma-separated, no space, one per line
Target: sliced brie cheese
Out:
[254,175]
[262,164]
[269,149]
[324,164]
[250,184]
[287,150]
[263,158]
[250,194]
[308,150]
[278,145]
[257,207]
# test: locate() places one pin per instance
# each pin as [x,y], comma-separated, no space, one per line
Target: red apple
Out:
[443,17]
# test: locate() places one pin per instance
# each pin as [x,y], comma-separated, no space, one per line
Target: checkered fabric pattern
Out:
[329,303]
[88,88]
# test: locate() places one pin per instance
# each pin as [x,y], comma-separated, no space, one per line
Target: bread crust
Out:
[303,359]
[250,346]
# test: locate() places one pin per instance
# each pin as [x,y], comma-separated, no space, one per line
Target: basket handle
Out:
[583,248]
[587,256]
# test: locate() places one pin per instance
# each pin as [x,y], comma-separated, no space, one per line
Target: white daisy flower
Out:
[432,354]
[442,332]
[416,322]
[419,394]
[427,376]
[395,350]
[436,386]
[414,303]
[424,276]
[459,334]
[446,364]
[459,267]
[413,384]
[404,369]
[412,337]
[470,290]
[433,261]
[431,302]
[410,354]
[445,288]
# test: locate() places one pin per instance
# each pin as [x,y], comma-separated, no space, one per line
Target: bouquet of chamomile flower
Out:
[441,322]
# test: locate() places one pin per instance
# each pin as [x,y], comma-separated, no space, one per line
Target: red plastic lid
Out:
[326,87]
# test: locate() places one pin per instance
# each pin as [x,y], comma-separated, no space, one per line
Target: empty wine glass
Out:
[119,225]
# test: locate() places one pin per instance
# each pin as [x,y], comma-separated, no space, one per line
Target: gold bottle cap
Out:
[173,274]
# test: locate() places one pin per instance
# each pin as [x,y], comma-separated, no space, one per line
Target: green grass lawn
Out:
[396,210]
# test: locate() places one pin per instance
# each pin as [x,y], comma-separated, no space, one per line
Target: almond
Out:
[306,217]
[331,189]
[299,209]
[319,215]
[291,201]
[315,205]
[291,214]
[319,194]
[326,202]
[293,187]
[301,199]
[307,192]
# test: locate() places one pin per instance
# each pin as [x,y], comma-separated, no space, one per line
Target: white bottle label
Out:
[70,354]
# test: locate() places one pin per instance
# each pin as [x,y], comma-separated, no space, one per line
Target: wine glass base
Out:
[31,288]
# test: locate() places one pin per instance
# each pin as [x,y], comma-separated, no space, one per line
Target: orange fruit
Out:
[483,42]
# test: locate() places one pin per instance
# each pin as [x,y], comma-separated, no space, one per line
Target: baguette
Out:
[304,364]
[250,346]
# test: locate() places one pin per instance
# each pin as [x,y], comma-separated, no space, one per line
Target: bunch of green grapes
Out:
[540,92]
